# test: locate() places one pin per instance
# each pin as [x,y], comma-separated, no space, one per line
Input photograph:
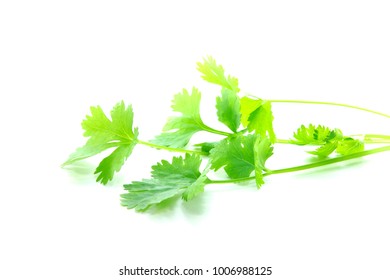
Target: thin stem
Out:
[215,131]
[372,141]
[380,136]
[171,149]
[283,141]
[372,136]
[329,161]
[367,140]
[329,103]
[308,166]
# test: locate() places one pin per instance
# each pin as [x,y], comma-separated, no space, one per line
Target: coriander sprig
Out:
[116,133]
[242,152]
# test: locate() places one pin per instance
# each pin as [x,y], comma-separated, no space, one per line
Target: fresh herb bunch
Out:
[242,151]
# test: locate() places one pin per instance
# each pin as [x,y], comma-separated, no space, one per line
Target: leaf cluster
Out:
[328,140]
[242,151]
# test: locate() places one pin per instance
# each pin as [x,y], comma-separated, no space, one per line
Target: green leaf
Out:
[228,104]
[214,73]
[311,135]
[181,177]
[328,139]
[247,106]
[178,131]
[103,134]
[256,115]
[197,187]
[141,195]
[349,146]
[236,155]
[325,150]
[91,148]
[263,150]
[242,155]
[228,109]
[113,163]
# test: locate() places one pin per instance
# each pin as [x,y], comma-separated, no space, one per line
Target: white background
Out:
[57,58]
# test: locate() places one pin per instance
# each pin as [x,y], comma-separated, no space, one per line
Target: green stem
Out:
[308,166]
[377,136]
[215,131]
[283,141]
[372,136]
[367,140]
[328,161]
[171,149]
[329,103]
[371,141]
